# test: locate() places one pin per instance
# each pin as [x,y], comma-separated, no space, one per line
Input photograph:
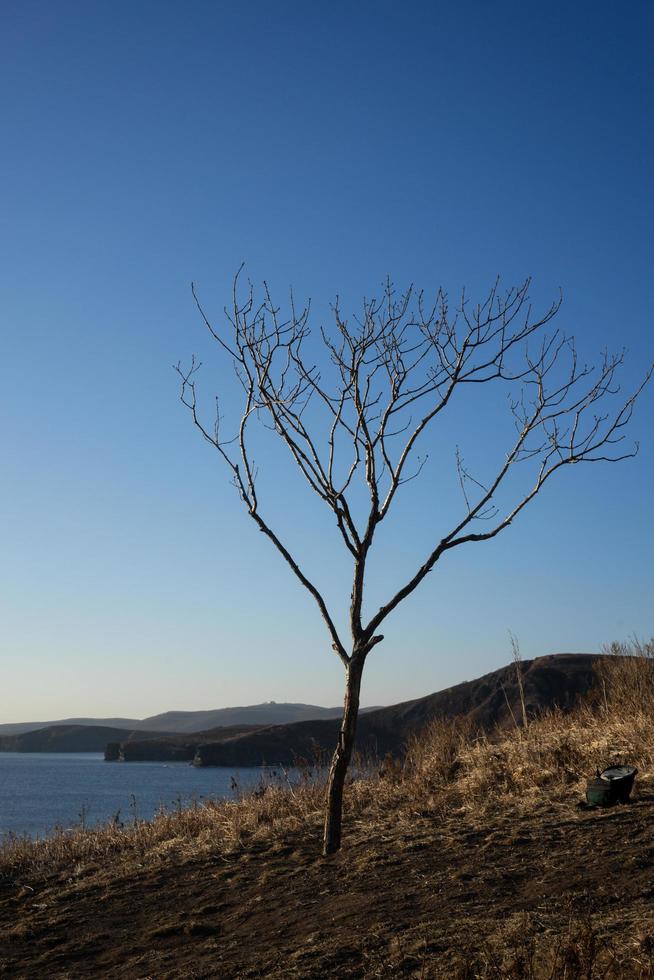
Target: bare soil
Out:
[419,898]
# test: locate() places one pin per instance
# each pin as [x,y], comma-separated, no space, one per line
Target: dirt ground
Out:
[417,902]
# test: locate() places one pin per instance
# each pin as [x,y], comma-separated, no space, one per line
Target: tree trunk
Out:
[341,758]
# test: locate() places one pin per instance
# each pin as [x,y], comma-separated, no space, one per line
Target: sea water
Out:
[42,791]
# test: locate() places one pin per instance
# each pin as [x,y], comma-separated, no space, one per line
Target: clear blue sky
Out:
[148,144]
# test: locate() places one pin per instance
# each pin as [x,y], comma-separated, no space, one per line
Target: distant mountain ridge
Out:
[268,713]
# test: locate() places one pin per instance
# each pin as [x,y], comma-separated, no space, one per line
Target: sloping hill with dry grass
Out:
[474,859]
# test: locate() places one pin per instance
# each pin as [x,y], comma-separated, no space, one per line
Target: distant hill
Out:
[21,727]
[70,738]
[269,713]
[489,701]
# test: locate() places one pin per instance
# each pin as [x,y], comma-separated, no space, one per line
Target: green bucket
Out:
[611,786]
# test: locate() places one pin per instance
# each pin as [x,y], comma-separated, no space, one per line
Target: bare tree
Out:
[385,376]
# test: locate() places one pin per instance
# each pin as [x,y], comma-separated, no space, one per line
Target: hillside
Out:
[488,701]
[434,898]
[279,734]
[485,702]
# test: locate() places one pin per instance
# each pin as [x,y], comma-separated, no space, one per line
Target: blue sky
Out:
[146,145]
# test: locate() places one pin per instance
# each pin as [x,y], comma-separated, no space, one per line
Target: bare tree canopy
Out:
[382,379]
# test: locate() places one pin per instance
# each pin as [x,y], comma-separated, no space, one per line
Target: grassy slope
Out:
[473,860]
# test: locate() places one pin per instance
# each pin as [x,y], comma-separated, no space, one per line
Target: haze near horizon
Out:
[151,145]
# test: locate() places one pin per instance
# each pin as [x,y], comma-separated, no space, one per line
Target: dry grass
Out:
[578,954]
[278,807]
[554,756]
[557,752]
[626,676]
[187,832]
[449,766]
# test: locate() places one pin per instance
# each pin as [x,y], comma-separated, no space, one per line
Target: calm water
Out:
[43,790]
